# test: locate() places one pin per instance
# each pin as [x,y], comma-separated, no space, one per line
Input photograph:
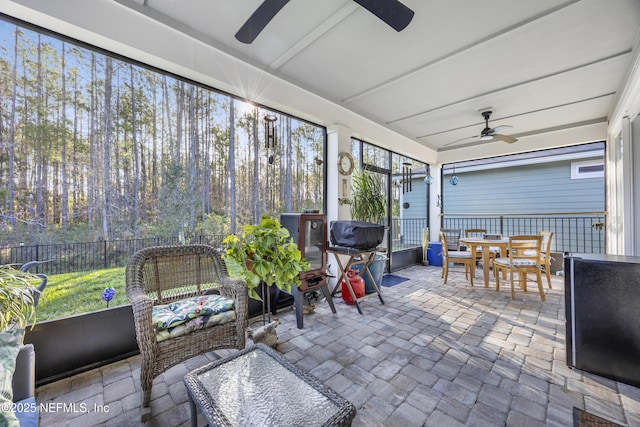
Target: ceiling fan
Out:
[489,134]
[392,12]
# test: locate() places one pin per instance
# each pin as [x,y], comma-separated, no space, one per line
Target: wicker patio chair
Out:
[166,274]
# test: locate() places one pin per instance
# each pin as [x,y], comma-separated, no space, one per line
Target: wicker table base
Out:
[259,387]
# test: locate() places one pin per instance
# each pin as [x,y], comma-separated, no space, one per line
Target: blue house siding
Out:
[535,188]
[414,218]
[543,188]
[417,199]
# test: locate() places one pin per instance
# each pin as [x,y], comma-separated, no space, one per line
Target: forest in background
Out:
[94,147]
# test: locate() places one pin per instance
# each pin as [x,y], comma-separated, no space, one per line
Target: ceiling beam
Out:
[502,33]
[509,87]
[315,34]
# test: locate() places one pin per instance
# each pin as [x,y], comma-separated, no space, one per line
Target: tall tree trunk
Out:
[39,140]
[63,148]
[93,146]
[10,205]
[288,186]
[256,168]
[136,160]
[192,158]
[74,152]
[106,159]
[232,165]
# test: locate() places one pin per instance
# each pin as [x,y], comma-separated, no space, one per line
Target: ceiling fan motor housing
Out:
[486,132]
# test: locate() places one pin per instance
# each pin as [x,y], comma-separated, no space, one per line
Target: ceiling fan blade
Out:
[392,12]
[500,128]
[259,20]
[460,140]
[504,138]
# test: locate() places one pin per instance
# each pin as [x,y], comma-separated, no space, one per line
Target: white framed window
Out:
[587,169]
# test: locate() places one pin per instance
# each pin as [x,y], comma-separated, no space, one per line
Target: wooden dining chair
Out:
[453,238]
[545,254]
[524,258]
[480,232]
[456,257]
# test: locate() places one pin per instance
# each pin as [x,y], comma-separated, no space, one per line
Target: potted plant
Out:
[267,255]
[368,203]
[17,309]
[17,293]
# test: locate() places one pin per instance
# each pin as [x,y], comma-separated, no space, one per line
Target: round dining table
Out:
[486,244]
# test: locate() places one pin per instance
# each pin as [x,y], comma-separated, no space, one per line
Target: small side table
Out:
[258,387]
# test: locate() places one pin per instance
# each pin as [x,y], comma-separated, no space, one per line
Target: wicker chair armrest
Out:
[135,292]
[232,288]
[142,307]
[237,290]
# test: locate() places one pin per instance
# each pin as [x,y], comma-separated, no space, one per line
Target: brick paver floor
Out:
[433,355]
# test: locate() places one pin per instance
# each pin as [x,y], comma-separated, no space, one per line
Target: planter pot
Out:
[279,300]
[74,344]
[376,267]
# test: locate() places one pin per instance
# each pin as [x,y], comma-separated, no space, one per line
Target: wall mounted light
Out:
[428,180]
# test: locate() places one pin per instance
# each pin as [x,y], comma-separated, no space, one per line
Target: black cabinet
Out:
[602,307]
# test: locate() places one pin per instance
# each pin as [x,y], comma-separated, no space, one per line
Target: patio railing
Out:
[578,232]
[407,232]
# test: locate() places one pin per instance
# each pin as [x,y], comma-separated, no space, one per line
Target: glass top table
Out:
[258,387]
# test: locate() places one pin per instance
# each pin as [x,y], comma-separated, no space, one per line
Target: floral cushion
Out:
[199,322]
[179,312]
[181,317]
[10,342]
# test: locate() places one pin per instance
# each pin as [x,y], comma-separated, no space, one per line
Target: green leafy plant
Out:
[267,254]
[17,306]
[368,202]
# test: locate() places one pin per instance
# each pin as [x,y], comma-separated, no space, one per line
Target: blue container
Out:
[376,268]
[434,253]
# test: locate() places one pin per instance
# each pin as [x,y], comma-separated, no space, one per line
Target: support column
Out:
[435,190]
[338,186]
[338,141]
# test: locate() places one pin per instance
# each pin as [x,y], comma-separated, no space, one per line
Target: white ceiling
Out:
[540,65]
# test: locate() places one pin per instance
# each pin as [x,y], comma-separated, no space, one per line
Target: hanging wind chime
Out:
[270,134]
[407,175]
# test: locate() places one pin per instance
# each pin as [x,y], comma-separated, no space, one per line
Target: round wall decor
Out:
[345,163]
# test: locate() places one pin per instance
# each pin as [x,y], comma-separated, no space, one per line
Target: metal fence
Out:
[86,256]
[577,232]
[407,233]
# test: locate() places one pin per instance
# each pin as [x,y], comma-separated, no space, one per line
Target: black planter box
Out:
[74,344]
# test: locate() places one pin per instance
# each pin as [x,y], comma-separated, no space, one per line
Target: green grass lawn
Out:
[76,293]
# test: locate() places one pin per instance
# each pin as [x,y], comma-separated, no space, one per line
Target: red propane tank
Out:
[357,284]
